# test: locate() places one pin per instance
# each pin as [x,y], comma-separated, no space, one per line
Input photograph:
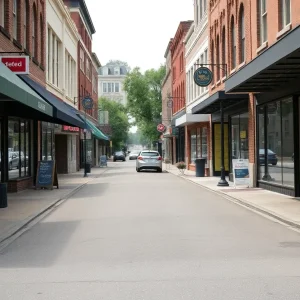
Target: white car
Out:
[150,160]
[134,154]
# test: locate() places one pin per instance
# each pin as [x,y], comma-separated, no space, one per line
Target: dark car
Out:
[272,157]
[119,155]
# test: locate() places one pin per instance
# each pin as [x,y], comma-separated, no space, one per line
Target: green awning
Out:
[96,132]
[14,88]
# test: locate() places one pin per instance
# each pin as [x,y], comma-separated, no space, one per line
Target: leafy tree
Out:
[118,120]
[144,100]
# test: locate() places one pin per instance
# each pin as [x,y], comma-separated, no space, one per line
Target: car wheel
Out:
[159,170]
[138,170]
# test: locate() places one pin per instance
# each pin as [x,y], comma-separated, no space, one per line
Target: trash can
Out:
[200,167]
[87,168]
[3,195]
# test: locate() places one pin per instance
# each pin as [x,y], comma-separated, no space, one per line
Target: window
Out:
[117,87]
[69,75]
[25,24]
[223,52]
[33,33]
[218,57]
[262,20]
[233,45]
[285,13]
[198,142]
[109,87]
[104,87]
[212,59]
[193,145]
[205,62]
[242,35]
[54,58]
[15,19]
[276,129]
[42,38]
[18,148]
[81,60]
[47,145]
[88,69]
[2,15]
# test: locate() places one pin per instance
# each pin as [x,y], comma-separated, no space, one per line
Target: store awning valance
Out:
[95,131]
[62,113]
[212,104]
[276,67]
[13,88]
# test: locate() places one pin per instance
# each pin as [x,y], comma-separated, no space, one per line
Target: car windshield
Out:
[119,153]
[149,154]
[262,151]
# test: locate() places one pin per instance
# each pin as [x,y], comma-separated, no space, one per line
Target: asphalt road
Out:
[134,236]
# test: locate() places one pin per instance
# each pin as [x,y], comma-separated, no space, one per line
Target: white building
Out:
[110,82]
[61,52]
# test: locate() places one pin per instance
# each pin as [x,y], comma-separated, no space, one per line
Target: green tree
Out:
[118,120]
[144,100]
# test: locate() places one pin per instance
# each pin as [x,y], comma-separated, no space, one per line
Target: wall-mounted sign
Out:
[17,64]
[170,103]
[87,103]
[203,76]
[161,128]
[70,128]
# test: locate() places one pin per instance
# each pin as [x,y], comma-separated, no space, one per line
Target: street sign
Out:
[161,128]
[203,76]
[87,103]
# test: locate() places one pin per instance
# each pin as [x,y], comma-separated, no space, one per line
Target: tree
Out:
[118,120]
[144,100]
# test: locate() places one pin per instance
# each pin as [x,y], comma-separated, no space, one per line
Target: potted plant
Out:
[181,166]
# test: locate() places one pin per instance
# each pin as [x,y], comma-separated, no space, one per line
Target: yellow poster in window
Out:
[243,134]
[217,146]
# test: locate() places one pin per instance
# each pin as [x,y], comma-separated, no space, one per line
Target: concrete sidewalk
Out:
[25,206]
[281,207]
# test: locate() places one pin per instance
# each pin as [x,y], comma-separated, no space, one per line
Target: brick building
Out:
[179,87]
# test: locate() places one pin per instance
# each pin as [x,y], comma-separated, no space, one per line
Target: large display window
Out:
[276,142]
[198,143]
[48,141]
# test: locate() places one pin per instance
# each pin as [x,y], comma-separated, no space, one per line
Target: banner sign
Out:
[241,171]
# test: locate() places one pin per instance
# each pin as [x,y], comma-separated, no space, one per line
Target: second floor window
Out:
[242,35]
[2,15]
[15,19]
[88,69]
[233,45]
[262,4]
[81,59]
[285,13]
[33,33]
[25,25]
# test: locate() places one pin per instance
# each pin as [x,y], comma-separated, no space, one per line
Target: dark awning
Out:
[97,133]
[13,88]
[62,113]
[276,67]
[177,115]
[212,104]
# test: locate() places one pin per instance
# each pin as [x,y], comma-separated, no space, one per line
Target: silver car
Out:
[150,160]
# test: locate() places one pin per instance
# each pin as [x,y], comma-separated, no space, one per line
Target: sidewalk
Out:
[281,207]
[27,205]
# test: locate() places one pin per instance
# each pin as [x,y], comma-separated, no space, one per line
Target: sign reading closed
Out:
[17,64]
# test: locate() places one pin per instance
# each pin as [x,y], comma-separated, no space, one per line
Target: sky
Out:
[136,31]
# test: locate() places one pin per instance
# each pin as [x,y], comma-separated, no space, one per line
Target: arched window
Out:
[212,59]
[218,58]
[285,12]
[42,39]
[15,19]
[25,22]
[242,35]
[33,33]
[2,10]
[233,44]
[223,51]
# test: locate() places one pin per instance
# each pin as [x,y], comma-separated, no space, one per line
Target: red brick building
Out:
[179,86]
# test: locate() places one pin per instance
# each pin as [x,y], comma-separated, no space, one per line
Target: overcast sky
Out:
[136,31]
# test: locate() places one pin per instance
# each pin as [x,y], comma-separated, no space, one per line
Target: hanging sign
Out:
[161,128]
[241,171]
[203,76]
[87,103]
[46,176]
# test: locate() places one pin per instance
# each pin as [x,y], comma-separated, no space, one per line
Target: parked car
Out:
[150,160]
[134,154]
[119,155]
[272,157]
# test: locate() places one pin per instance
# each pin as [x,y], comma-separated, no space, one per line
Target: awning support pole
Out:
[223,181]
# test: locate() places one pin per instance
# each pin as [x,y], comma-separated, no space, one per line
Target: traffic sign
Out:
[161,128]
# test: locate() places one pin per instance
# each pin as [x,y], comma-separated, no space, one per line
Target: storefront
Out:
[20,110]
[273,79]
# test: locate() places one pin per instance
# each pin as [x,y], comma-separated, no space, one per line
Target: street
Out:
[152,236]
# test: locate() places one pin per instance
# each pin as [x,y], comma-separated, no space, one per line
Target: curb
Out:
[23,224]
[244,203]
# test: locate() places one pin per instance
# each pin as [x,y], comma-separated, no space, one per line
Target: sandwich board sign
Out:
[46,176]
[241,172]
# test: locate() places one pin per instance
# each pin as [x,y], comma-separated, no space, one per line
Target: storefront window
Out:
[276,142]
[48,149]
[198,143]
[18,148]
[89,151]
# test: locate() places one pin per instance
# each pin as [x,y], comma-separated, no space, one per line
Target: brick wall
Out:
[14,186]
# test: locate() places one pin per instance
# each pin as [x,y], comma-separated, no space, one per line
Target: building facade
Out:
[110,81]
[179,88]
[197,129]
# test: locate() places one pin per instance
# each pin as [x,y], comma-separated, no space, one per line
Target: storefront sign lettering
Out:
[42,106]
[70,128]
[203,76]
[17,64]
